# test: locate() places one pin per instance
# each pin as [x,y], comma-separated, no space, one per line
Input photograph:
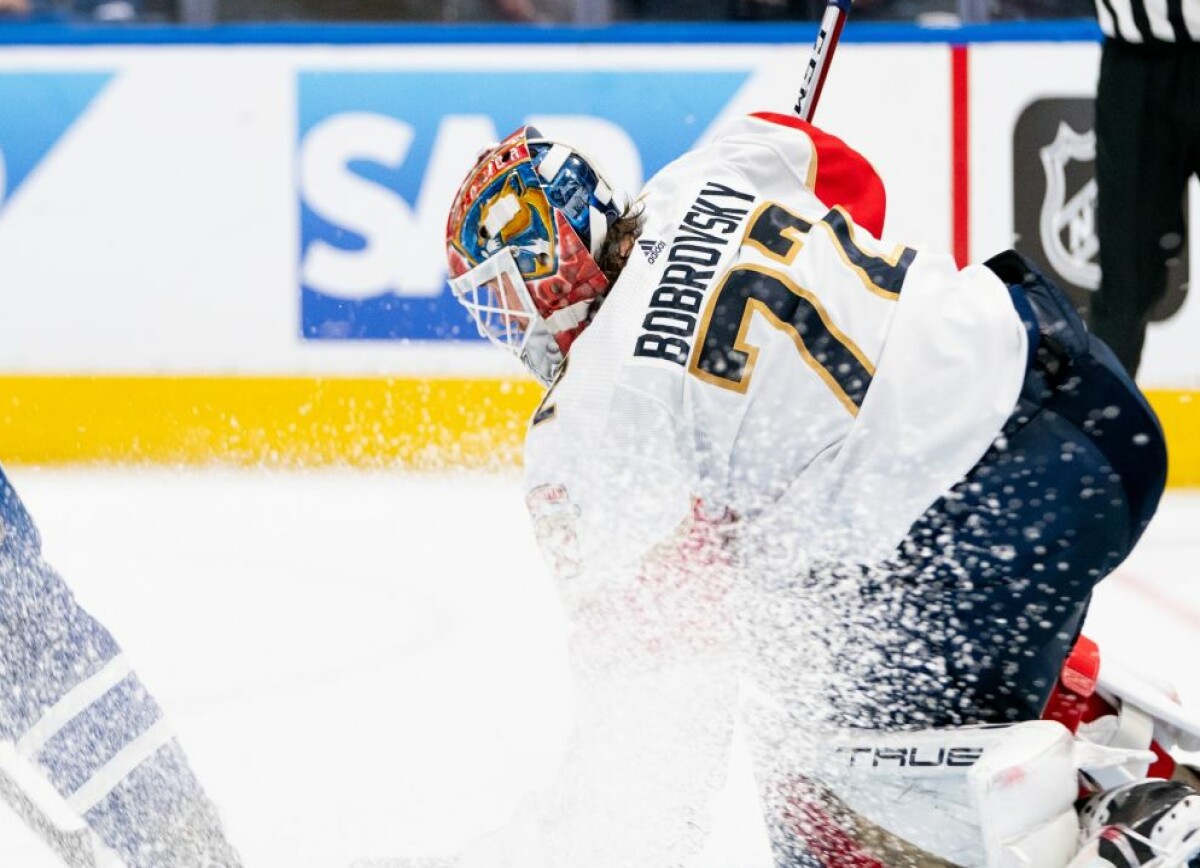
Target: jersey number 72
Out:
[724,357]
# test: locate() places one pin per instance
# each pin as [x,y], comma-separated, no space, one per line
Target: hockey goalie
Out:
[839,488]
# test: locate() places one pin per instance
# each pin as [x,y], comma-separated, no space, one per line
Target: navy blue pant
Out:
[972,618]
[986,597]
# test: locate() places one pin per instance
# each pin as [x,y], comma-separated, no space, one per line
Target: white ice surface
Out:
[363,666]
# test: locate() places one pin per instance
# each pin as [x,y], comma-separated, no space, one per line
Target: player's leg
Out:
[971,621]
[969,625]
[75,710]
[1191,75]
[1142,165]
[991,587]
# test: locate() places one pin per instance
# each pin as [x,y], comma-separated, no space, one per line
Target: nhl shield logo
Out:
[1067,225]
[1055,200]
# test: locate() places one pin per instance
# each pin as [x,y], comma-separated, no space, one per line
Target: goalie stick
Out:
[822,53]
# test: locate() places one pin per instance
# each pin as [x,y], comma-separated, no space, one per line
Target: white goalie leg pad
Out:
[1024,789]
[994,796]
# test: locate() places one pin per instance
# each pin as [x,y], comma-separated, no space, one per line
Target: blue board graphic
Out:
[37,108]
[371,145]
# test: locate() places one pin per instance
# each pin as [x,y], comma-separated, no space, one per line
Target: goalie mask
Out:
[522,240]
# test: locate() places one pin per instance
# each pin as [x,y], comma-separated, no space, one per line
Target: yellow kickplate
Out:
[421,423]
[1179,412]
[271,421]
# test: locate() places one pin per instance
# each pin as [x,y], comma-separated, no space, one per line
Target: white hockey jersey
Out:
[766,363]
[764,353]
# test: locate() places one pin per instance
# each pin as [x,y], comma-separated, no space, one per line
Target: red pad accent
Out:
[1163,767]
[844,176]
[1069,702]
[1075,701]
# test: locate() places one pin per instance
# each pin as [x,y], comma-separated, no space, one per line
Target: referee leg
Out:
[1142,165]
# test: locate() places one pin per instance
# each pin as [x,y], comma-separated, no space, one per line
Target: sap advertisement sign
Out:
[380,155]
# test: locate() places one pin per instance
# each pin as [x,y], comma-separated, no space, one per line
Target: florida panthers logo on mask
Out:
[505,206]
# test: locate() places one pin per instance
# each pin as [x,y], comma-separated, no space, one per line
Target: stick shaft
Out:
[828,34]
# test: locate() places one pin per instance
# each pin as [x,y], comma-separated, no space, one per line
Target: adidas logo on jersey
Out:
[651,249]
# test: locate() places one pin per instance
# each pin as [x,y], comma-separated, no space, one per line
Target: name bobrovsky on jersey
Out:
[700,239]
